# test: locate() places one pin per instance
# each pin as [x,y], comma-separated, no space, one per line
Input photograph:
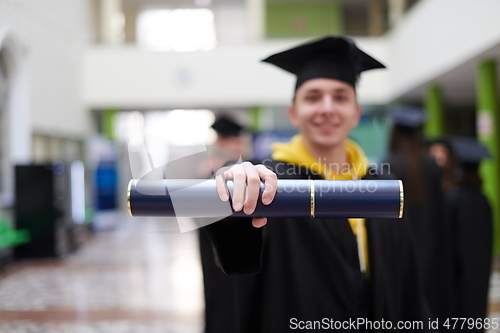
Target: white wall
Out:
[228,76]
[373,86]
[437,36]
[53,34]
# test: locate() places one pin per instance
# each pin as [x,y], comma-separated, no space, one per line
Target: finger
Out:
[271,184]
[253,188]
[239,179]
[259,222]
[220,183]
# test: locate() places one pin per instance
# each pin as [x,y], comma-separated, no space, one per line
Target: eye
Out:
[312,98]
[340,98]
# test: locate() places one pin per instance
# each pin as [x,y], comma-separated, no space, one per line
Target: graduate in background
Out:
[229,136]
[228,146]
[424,211]
[469,215]
[290,273]
[441,151]
[218,290]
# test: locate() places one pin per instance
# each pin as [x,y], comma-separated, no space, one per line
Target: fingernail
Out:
[266,201]
[237,207]
[224,197]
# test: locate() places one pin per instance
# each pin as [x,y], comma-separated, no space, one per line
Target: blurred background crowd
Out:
[85,83]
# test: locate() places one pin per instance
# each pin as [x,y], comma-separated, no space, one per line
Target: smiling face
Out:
[325,111]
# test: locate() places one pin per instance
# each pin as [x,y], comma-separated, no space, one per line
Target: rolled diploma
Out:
[294,198]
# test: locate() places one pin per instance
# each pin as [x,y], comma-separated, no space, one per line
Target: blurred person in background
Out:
[441,151]
[229,145]
[286,272]
[229,134]
[424,207]
[470,217]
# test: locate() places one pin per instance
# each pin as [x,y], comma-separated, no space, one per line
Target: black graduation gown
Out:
[218,290]
[431,234]
[470,217]
[308,269]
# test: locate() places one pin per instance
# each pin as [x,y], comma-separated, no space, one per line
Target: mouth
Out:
[326,127]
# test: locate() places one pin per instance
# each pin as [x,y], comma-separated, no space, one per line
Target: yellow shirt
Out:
[296,153]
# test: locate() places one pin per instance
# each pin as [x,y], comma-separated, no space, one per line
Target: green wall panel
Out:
[312,19]
[108,124]
[488,113]
[433,103]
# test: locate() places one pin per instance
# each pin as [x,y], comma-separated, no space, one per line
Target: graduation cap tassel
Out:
[361,241]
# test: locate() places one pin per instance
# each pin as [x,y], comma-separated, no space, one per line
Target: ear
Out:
[357,117]
[292,115]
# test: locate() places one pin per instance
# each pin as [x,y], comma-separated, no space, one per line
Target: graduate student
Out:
[229,134]
[293,273]
[229,145]
[469,215]
[424,207]
[440,149]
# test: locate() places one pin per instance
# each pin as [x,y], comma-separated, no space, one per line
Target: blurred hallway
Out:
[142,277]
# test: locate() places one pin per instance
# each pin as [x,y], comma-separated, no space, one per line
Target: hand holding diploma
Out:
[246,189]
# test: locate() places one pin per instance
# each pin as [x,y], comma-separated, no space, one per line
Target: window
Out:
[181,30]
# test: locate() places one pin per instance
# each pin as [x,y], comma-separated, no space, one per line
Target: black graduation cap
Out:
[468,150]
[331,57]
[408,117]
[226,126]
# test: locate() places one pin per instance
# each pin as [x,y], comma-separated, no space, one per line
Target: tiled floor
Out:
[143,277]
[494,297]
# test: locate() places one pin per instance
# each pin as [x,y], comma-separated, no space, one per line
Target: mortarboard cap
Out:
[331,57]
[408,117]
[227,127]
[468,150]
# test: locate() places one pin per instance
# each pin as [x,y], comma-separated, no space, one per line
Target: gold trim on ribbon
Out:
[401,199]
[129,208]
[313,200]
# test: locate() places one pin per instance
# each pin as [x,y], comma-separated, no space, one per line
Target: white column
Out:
[112,22]
[16,131]
[256,19]
[396,11]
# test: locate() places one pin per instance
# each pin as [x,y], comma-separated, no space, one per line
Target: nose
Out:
[327,104]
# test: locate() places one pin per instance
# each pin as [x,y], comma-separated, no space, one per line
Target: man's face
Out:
[440,153]
[325,111]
